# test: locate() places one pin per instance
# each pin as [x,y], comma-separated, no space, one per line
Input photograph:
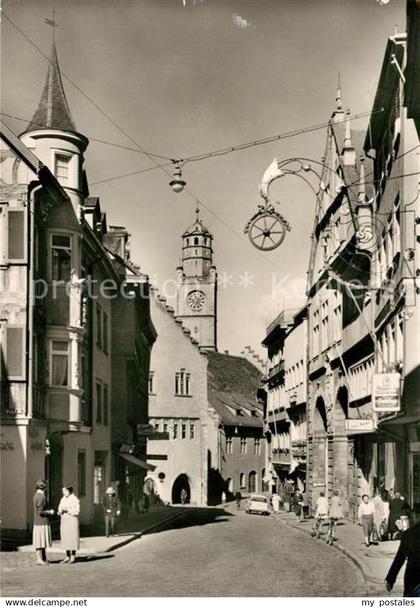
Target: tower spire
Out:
[338,102]
[348,153]
[53,111]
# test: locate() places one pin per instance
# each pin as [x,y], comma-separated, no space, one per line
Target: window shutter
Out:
[15,353]
[16,235]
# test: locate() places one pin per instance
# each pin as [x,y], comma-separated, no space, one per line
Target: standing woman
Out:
[69,509]
[41,535]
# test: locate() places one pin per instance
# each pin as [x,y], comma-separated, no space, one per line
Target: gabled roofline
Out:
[388,82]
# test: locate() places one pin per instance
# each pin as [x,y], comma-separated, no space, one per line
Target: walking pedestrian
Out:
[41,534]
[365,516]
[379,515]
[238,498]
[69,509]
[112,509]
[297,504]
[223,497]
[336,507]
[183,496]
[275,500]
[305,505]
[408,551]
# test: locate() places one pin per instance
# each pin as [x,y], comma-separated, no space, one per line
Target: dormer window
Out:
[239,412]
[61,167]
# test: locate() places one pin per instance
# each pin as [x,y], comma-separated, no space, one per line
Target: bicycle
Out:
[331,531]
[316,530]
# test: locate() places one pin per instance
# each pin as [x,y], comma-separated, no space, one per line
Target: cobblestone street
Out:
[210,552]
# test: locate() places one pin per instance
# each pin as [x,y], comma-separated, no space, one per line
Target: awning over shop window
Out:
[137,462]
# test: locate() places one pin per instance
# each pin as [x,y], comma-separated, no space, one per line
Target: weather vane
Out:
[52,22]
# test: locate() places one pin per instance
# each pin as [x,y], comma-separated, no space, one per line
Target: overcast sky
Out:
[184,77]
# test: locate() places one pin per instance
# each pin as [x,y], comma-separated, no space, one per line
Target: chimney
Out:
[117,240]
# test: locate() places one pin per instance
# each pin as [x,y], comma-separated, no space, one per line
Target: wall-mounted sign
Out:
[356,426]
[386,392]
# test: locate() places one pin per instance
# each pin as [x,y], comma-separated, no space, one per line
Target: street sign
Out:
[359,426]
[386,392]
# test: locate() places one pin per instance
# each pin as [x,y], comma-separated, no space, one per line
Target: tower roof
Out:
[53,111]
[197,227]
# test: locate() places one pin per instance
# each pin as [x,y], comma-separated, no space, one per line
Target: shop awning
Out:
[137,462]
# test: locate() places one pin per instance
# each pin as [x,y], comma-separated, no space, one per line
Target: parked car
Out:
[258,504]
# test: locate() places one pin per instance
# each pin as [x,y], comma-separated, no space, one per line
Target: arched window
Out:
[196,241]
[242,480]
[188,241]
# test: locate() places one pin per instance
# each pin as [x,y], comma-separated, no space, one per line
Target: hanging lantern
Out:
[177,183]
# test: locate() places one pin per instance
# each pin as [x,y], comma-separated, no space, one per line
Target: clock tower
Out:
[196,303]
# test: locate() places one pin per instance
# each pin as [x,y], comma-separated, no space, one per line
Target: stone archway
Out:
[181,485]
[320,420]
[341,410]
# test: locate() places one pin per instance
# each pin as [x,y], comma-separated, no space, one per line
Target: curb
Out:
[138,535]
[348,553]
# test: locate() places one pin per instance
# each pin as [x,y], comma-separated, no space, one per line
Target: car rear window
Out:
[258,499]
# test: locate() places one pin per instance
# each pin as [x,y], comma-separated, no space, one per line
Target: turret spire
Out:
[53,111]
[338,102]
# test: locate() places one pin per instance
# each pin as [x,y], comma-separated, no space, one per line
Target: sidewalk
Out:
[374,562]
[94,541]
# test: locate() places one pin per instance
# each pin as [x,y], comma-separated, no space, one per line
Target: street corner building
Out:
[343,401]
[202,403]
[69,413]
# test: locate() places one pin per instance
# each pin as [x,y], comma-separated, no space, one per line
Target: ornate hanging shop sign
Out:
[386,392]
[267,228]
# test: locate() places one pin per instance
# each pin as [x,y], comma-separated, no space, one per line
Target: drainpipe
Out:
[30,299]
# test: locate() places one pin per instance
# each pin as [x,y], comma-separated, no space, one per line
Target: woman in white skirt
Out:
[68,509]
[41,535]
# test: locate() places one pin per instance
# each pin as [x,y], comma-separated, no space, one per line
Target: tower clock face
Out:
[195,299]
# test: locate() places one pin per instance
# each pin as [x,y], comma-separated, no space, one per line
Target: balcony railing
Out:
[281,455]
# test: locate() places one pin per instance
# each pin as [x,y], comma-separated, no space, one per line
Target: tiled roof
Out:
[232,385]
[53,111]
[197,228]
